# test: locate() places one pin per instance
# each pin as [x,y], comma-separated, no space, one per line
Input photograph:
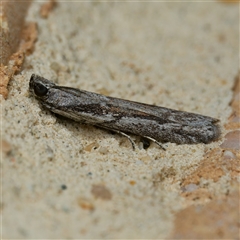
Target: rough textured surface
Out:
[77,181]
[6,72]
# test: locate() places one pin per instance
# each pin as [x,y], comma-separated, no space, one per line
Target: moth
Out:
[158,124]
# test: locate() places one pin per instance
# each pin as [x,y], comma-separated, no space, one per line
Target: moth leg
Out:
[155,141]
[125,135]
[121,133]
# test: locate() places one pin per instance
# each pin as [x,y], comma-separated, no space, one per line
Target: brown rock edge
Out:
[12,14]
[29,36]
[17,40]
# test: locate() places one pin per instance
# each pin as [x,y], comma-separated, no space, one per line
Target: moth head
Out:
[39,86]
